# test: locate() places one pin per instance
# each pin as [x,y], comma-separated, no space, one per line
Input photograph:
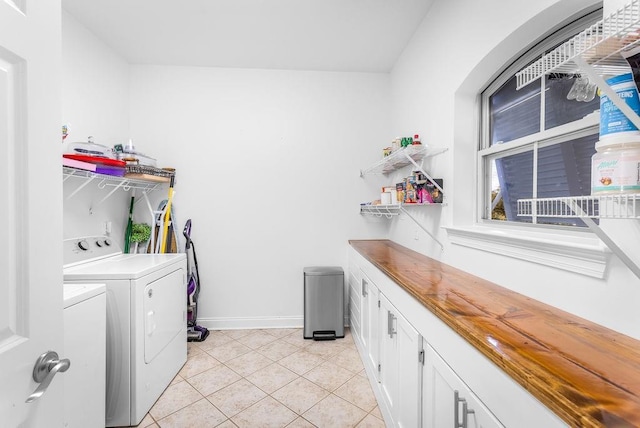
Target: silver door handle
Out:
[46,367]
[390,319]
[364,288]
[465,411]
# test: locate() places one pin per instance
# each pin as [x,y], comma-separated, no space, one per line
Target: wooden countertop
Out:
[587,374]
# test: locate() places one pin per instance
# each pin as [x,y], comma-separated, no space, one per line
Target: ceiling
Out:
[324,35]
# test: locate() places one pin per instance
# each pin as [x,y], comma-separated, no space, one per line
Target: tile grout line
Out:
[325,358]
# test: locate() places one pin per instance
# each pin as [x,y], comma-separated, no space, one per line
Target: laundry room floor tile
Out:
[334,412]
[329,376]
[268,377]
[271,378]
[358,391]
[174,398]
[201,414]
[301,362]
[267,413]
[248,363]
[277,349]
[236,397]
[198,364]
[213,379]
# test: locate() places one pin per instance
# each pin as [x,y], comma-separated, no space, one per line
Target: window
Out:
[537,142]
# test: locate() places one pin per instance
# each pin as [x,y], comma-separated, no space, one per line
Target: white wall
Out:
[434,89]
[268,170]
[268,160]
[95,102]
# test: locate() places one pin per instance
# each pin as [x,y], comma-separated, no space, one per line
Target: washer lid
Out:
[123,266]
[76,293]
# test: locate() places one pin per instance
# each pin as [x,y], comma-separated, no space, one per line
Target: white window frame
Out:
[574,249]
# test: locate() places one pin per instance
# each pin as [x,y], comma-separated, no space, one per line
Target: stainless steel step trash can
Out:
[323,302]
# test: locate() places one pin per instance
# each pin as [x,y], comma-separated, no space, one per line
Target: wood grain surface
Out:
[587,374]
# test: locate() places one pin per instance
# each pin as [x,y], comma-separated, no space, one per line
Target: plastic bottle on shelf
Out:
[615,127]
[416,140]
[395,144]
[615,168]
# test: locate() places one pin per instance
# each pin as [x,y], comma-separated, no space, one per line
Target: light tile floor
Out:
[268,378]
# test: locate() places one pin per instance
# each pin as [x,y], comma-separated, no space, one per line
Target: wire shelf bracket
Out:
[393,210]
[588,208]
[123,183]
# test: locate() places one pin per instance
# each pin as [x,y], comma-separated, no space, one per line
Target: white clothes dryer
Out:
[84,344]
[146,320]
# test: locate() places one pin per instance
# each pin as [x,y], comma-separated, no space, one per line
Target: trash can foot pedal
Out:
[324,335]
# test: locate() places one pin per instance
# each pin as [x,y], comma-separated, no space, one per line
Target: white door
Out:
[409,373]
[365,324]
[31,215]
[400,366]
[370,310]
[388,355]
[447,400]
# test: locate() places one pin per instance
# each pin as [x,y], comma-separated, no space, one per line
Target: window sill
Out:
[578,252]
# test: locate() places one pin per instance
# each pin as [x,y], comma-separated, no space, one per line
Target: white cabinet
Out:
[447,401]
[355,301]
[390,347]
[370,315]
[411,394]
[363,313]
[400,365]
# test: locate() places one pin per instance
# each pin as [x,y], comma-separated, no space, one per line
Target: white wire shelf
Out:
[401,158]
[392,210]
[599,46]
[380,210]
[105,181]
[603,206]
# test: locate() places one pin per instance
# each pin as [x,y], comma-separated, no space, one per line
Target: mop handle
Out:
[167,216]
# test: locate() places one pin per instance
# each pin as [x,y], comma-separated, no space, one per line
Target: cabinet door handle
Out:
[465,411]
[364,288]
[390,330]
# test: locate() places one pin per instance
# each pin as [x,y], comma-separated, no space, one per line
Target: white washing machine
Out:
[146,320]
[84,345]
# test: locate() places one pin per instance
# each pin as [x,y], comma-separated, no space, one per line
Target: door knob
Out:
[46,367]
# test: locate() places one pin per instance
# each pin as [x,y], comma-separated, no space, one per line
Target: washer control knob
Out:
[107,242]
[98,243]
[83,245]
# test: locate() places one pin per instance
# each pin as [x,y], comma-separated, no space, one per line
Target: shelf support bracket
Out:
[602,235]
[419,167]
[422,227]
[80,187]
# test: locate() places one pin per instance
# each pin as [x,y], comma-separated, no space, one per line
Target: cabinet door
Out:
[400,367]
[355,302]
[369,325]
[409,373]
[387,368]
[447,402]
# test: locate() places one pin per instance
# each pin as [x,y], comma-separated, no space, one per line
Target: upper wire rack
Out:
[599,45]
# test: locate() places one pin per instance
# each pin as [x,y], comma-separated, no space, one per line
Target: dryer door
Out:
[165,301]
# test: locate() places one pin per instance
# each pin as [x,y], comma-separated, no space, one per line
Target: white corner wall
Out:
[95,102]
[268,170]
[435,85]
